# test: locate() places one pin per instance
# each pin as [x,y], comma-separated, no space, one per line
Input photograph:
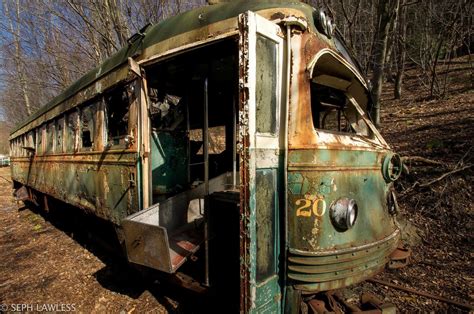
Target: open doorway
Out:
[192,95]
[177,89]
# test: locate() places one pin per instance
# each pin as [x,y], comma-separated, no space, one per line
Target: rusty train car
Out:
[231,143]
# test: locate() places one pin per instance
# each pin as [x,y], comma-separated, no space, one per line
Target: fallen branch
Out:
[423,185]
[445,175]
[422,293]
[5,179]
[422,159]
[461,161]
[411,188]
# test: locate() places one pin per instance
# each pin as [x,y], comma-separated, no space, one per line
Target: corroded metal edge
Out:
[347,250]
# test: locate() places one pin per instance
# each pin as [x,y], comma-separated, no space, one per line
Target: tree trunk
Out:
[18,54]
[434,77]
[385,14]
[401,46]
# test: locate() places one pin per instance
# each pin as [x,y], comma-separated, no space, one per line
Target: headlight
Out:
[329,28]
[324,23]
[323,20]
[343,213]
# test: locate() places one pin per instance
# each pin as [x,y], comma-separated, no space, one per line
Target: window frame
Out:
[50,127]
[377,138]
[93,106]
[122,145]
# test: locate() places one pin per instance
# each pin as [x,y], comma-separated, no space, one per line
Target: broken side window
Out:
[59,135]
[50,130]
[72,128]
[332,111]
[168,112]
[25,144]
[17,147]
[32,140]
[88,126]
[117,104]
[39,136]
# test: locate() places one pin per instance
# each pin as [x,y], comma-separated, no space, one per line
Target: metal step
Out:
[161,236]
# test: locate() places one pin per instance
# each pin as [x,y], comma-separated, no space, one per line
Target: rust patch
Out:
[244,141]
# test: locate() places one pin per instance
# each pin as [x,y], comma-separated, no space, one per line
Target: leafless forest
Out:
[46,45]
[416,53]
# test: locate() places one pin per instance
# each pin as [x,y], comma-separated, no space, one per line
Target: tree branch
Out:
[422,159]
[445,175]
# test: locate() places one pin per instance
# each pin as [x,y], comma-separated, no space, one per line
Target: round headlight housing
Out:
[392,167]
[329,28]
[324,23]
[343,213]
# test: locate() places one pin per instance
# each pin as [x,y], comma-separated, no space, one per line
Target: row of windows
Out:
[104,120]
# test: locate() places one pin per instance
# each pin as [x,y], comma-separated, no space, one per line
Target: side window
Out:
[19,146]
[59,135]
[32,139]
[24,144]
[14,147]
[117,104]
[87,137]
[72,130]
[216,140]
[50,130]
[266,85]
[39,136]
[332,111]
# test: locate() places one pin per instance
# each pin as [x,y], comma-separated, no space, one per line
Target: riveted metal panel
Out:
[99,183]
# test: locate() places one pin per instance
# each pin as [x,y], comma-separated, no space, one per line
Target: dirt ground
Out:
[57,263]
[440,213]
[45,263]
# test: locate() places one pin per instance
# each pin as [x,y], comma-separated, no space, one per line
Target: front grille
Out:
[327,270]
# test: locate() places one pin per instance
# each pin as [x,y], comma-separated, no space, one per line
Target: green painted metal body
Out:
[321,257]
[102,184]
[317,257]
[264,223]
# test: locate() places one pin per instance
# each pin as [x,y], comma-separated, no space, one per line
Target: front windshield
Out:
[340,100]
[332,111]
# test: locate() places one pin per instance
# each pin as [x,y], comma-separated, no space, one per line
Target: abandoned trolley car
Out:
[231,142]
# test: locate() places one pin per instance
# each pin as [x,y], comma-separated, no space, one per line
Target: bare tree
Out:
[18,54]
[47,44]
[400,46]
[386,12]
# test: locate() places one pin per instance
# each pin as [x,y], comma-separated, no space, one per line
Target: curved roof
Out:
[166,29]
